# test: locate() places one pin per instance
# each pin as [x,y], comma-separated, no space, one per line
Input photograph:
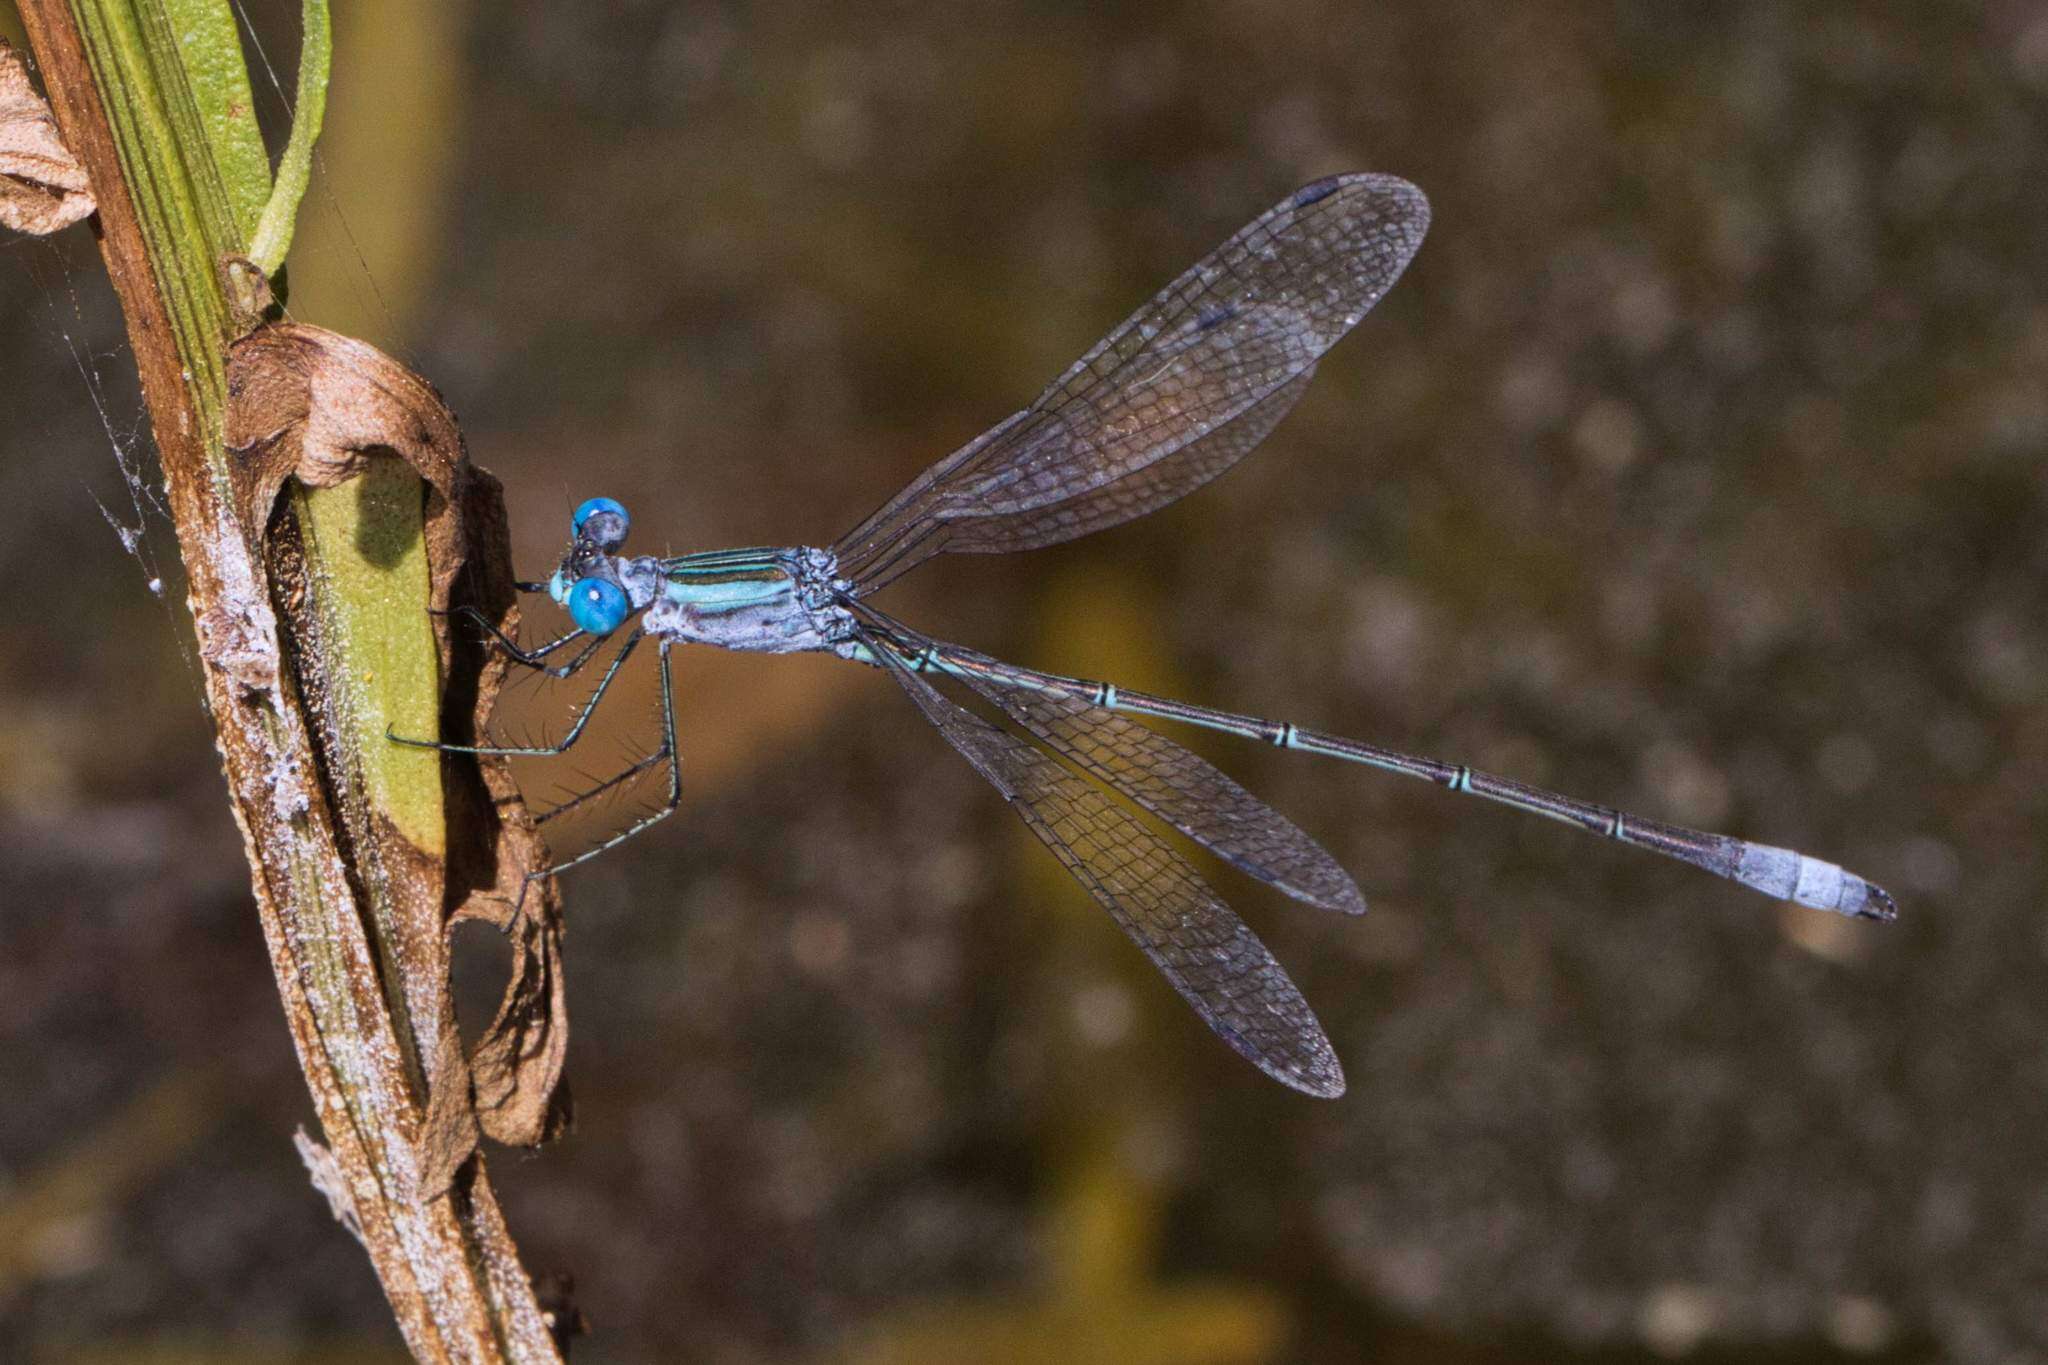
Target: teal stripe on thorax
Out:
[729,580]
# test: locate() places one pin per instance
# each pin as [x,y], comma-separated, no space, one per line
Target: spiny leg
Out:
[589,794]
[532,657]
[669,802]
[575,730]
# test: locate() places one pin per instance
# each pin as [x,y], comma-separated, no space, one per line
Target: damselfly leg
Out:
[672,797]
[532,658]
[666,753]
[576,727]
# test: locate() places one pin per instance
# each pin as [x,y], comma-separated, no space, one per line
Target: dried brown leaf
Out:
[448,1130]
[308,403]
[42,186]
[517,1064]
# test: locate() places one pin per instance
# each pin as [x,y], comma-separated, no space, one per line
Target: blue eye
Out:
[597,605]
[595,506]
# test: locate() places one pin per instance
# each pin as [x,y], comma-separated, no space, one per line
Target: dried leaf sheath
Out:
[307,403]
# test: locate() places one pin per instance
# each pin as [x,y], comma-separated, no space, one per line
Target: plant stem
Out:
[126,104]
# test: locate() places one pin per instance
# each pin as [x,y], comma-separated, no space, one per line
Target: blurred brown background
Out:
[1695,465]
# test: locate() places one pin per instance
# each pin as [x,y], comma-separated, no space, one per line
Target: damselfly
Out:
[1176,395]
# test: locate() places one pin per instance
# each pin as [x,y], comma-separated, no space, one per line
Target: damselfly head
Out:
[587,583]
[602,522]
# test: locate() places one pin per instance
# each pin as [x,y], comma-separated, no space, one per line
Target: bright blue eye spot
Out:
[592,507]
[597,605]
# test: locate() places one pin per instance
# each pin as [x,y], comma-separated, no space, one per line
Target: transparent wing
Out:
[1196,941]
[1178,393]
[1126,499]
[1179,787]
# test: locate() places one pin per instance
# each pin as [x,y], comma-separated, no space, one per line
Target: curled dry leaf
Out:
[42,186]
[308,403]
[522,1098]
[316,405]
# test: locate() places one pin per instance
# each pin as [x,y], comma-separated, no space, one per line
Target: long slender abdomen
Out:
[1778,872]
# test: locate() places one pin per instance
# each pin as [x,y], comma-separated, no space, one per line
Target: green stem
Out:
[175,184]
[367,538]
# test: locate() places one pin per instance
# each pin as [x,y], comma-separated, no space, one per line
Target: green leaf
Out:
[203,36]
[273,234]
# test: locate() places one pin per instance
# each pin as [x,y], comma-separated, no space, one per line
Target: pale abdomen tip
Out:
[1814,882]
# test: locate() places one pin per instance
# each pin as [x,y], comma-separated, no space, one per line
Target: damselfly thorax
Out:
[761,600]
